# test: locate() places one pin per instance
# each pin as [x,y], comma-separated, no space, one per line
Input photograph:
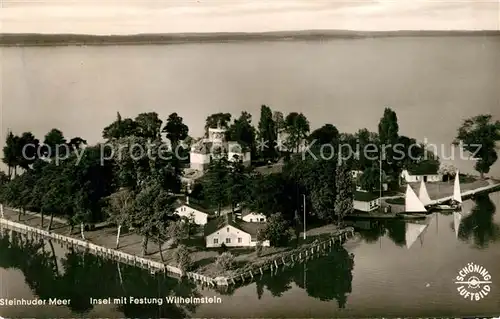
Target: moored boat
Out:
[455,202]
[413,205]
[411,216]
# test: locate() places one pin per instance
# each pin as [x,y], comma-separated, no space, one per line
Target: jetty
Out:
[492,187]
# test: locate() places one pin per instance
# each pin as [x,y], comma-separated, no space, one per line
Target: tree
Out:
[154,208]
[297,129]
[176,130]
[183,258]
[279,122]
[215,182]
[12,194]
[237,182]
[76,143]
[388,130]
[277,231]
[54,142]
[120,128]
[148,125]
[269,193]
[216,120]
[365,138]
[225,261]
[27,150]
[344,198]
[318,178]
[478,136]
[4,178]
[267,133]
[327,134]
[448,171]
[177,231]
[10,153]
[133,167]
[412,152]
[370,179]
[243,132]
[120,209]
[81,208]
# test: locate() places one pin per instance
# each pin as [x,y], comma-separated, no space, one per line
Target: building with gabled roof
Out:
[198,214]
[232,232]
[366,201]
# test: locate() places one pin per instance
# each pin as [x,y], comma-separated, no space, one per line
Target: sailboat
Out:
[423,195]
[414,208]
[456,200]
[413,232]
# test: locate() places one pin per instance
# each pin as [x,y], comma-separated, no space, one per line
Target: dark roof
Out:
[364,196]
[198,207]
[227,220]
[424,168]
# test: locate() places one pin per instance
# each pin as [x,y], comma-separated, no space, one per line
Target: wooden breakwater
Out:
[113,254]
[297,255]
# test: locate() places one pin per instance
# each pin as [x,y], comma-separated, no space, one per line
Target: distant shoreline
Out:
[34,39]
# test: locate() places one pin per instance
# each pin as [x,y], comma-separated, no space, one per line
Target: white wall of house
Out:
[231,237]
[200,218]
[366,206]
[197,158]
[417,178]
[254,218]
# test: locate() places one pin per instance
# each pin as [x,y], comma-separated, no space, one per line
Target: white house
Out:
[253,217]
[233,233]
[204,149]
[419,174]
[198,214]
[365,201]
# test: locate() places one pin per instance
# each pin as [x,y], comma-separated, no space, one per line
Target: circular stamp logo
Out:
[473,282]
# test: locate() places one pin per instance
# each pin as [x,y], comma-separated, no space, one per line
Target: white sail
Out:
[412,203]
[413,232]
[457,193]
[457,219]
[423,195]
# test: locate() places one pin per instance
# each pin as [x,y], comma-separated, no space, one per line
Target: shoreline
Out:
[99,242]
[43,40]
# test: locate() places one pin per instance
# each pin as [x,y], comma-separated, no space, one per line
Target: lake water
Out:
[395,272]
[431,82]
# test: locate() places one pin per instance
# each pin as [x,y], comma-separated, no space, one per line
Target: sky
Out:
[173,16]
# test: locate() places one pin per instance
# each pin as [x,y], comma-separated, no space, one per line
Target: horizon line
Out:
[253,32]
